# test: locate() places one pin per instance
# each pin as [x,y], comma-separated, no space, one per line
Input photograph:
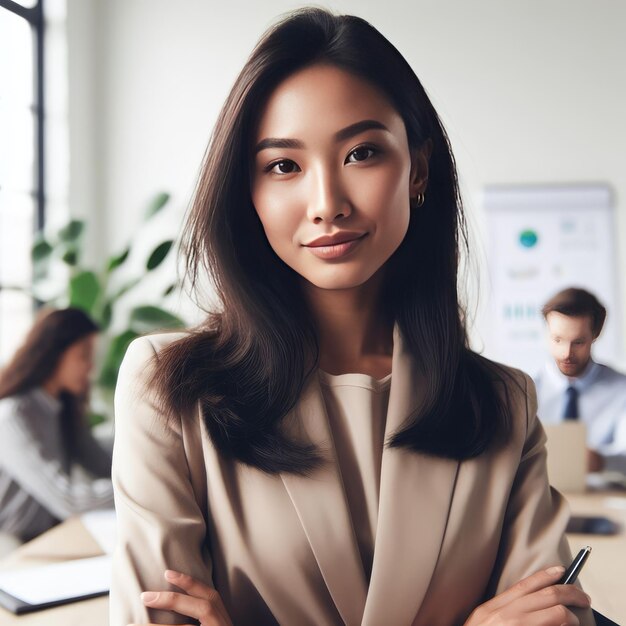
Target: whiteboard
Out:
[541,240]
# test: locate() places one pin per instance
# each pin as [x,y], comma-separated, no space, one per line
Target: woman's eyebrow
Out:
[340,135]
[359,127]
[273,142]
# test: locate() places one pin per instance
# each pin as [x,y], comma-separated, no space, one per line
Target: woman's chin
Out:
[76,390]
[337,281]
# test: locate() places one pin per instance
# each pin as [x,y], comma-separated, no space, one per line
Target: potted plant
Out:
[96,293]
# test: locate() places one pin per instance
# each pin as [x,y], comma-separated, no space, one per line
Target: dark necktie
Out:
[571,404]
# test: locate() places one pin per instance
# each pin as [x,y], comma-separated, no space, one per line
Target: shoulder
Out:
[611,375]
[142,351]
[162,369]
[19,405]
[516,390]
[511,379]
[518,393]
[141,356]
[156,343]
[8,407]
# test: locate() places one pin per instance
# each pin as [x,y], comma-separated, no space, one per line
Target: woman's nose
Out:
[328,201]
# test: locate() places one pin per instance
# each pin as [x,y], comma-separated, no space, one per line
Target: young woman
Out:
[326,449]
[43,429]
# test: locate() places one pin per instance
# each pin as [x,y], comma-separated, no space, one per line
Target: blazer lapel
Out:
[415,496]
[322,508]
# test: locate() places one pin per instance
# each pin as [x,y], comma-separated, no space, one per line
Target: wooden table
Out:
[603,578]
[69,540]
[604,574]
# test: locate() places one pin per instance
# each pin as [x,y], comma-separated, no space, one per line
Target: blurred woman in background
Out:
[43,430]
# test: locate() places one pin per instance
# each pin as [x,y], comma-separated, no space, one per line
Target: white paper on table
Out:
[59,581]
[101,525]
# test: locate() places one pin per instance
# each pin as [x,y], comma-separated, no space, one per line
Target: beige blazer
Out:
[281,549]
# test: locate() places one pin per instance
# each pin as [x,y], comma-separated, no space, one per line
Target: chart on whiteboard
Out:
[541,240]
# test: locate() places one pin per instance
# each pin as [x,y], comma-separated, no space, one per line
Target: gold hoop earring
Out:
[419,200]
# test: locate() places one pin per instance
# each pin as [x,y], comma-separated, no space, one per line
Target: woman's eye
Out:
[283,167]
[361,153]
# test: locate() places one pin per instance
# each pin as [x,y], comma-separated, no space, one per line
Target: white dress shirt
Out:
[601,407]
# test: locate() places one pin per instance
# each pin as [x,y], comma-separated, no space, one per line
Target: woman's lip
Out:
[337,250]
[331,240]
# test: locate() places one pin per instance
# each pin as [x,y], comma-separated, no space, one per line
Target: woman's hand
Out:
[200,602]
[533,601]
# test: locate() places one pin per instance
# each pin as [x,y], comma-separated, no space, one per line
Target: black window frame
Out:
[34,16]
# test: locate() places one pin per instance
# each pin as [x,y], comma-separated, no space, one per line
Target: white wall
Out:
[86,112]
[530,92]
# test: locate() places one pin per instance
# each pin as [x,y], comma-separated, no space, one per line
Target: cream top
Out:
[357,411]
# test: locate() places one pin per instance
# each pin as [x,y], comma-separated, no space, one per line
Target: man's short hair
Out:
[576,302]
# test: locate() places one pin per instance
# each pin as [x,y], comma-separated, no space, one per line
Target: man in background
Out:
[572,386]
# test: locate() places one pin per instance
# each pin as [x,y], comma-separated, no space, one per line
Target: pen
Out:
[571,573]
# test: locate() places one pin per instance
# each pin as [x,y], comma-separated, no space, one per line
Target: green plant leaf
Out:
[159,254]
[148,318]
[157,203]
[114,356]
[170,289]
[41,251]
[84,291]
[94,419]
[72,231]
[116,261]
[70,257]
[106,315]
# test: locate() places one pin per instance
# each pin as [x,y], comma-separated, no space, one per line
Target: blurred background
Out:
[106,107]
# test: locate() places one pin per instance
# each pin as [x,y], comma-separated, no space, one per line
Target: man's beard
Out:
[571,368]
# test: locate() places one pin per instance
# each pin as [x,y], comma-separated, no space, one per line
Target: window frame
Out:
[34,16]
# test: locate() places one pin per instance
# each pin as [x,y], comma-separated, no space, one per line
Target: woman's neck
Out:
[354,333]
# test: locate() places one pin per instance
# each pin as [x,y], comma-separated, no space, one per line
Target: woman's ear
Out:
[419,168]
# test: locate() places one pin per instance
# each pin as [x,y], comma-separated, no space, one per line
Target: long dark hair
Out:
[36,360]
[248,363]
